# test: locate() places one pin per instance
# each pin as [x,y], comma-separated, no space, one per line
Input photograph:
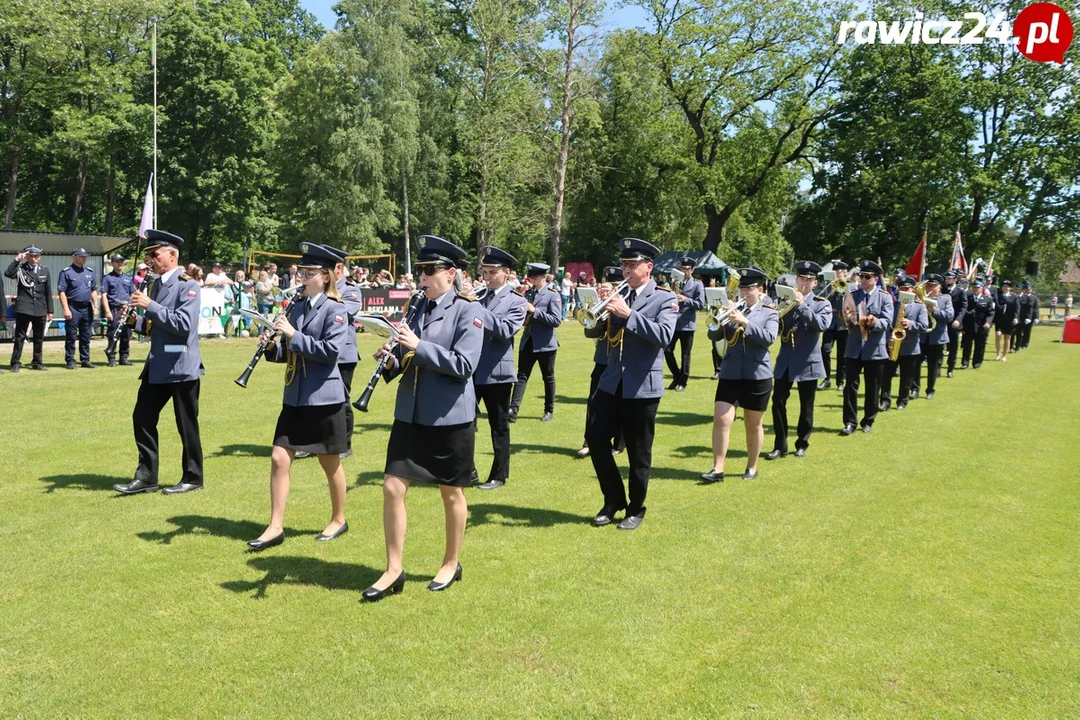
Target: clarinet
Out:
[365,397]
[123,320]
[266,337]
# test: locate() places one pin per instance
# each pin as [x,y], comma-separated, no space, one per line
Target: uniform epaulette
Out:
[350,281]
[185,277]
[467,295]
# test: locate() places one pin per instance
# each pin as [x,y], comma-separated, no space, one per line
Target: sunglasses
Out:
[867,276]
[430,270]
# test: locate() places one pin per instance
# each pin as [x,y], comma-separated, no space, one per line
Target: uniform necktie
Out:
[631,298]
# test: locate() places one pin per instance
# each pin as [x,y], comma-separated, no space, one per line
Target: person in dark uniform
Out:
[628,395]
[538,341]
[33,304]
[432,439]
[800,360]
[313,334]
[173,367]
[1027,304]
[977,324]
[868,314]
[1006,320]
[938,335]
[837,333]
[612,277]
[78,292]
[503,313]
[746,376]
[958,296]
[691,297]
[117,288]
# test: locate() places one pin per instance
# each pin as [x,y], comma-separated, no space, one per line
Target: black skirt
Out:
[747,394]
[431,454]
[317,429]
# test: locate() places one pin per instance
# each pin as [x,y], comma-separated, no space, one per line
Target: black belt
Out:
[78,304]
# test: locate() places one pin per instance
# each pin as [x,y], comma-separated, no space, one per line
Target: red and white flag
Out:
[958,261]
[147,221]
[918,261]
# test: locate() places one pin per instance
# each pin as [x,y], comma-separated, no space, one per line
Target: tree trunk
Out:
[80,187]
[13,187]
[482,213]
[564,141]
[112,197]
[405,218]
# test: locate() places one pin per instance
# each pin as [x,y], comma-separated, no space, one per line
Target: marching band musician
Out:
[837,333]
[503,313]
[691,297]
[432,439]
[117,289]
[916,321]
[799,360]
[867,310]
[977,324]
[33,304]
[173,367]
[313,417]
[612,277]
[938,337]
[538,341]
[746,376]
[1006,320]
[958,296]
[629,391]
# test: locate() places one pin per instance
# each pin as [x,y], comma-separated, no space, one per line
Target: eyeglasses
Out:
[630,264]
[310,272]
[432,269]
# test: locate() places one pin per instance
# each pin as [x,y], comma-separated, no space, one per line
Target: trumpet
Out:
[361,403]
[265,338]
[598,313]
[721,315]
[836,285]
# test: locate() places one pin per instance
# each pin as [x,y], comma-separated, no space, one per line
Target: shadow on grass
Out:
[513,516]
[306,571]
[243,450]
[518,447]
[682,419]
[567,400]
[82,481]
[361,426]
[215,527]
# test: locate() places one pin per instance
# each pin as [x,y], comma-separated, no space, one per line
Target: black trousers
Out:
[594,382]
[526,359]
[685,338]
[780,395]
[1025,334]
[871,370]
[497,407]
[22,323]
[954,345]
[828,339]
[638,421]
[82,317]
[347,370]
[124,340]
[889,371]
[935,355]
[978,340]
[909,374]
[152,398]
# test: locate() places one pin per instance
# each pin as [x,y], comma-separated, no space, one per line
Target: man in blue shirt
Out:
[117,288]
[77,287]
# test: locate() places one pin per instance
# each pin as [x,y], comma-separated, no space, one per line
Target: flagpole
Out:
[153,62]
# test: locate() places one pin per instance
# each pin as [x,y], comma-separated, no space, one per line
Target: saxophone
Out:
[896,337]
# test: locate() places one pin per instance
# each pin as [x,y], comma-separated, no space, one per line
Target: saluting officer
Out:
[800,360]
[916,322]
[691,297]
[837,334]
[977,324]
[868,311]
[602,333]
[538,341]
[117,288]
[938,337]
[503,313]
[632,384]
[77,287]
[33,304]
[173,367]
[958,296]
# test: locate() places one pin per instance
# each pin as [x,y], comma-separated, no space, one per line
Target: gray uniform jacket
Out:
[548,316]
[33,289]
[943,317]
[318,342]
[436,388]
[880,305]
[638,363]
[173,315]
[694,292]
[916,314]
[350,296]
[800,356]
[503,316]
[748,357]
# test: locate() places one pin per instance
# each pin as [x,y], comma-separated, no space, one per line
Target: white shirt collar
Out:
[165,277]
[312,301]
[438,301]
[499,292]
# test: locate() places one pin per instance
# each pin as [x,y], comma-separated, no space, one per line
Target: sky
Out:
[617,17]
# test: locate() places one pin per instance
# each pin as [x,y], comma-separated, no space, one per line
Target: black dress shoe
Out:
[37,366]
[605,516]
[824,385]
[14,368]
[491,485]
[112,363]
[260,545]
[126,362]
[373,594]
[339,532]
[89,365]
[915,394]
[583,452]
[867,428]
[512,416]
[301,454]
[884,405]
[182,488]
[716,376]
[929,394]
[775,455]
[135,487]
[617,451]
[949,374]
[848,429]
[631,522]
[437,587]
[680,388]
[70,366]
[713,476]
[346,454]
[901,406]
[674,384]
[963,366]
[800,452]
[546,418]
[747,475]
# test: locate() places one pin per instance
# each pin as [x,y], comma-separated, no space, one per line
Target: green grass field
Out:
[930,569]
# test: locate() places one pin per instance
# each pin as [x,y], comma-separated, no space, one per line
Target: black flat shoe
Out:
[849,429]
[800,452]
[89,365]
[438,587]
[340,531]
[680,388]
[37,366]
[825,385]
[259,545]
[491,485]
[866,428]
[126,362]
[135,487]
[301,454]
[631,522]
[547,417]
[374,594]
[182,488]
[605,517]
[582,453]
[775,455]
[713,476]
[747,475]
[512,417]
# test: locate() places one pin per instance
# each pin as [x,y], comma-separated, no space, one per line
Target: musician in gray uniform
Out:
[173,367]
[78,291]
[538,341]
[938,336]
[313,334]
[602,333]
[503,313]
[33,304]
[837,334]
[746,376]
[691,297]
[915,323]
[432,439]
[867,310]
[117,288]
[631,385]
[799,360]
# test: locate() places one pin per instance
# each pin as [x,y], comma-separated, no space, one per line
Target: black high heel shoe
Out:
[257,545]
[436,587]
[374,594]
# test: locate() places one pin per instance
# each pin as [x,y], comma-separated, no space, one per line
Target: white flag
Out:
[147,221]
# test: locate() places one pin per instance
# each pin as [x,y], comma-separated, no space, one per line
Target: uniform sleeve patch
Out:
[338,319]
[675,306]
[478,322]
[191,293]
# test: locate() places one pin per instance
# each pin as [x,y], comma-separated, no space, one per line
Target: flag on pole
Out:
[958,261]
[917,264]
[990,266]
[147,221]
